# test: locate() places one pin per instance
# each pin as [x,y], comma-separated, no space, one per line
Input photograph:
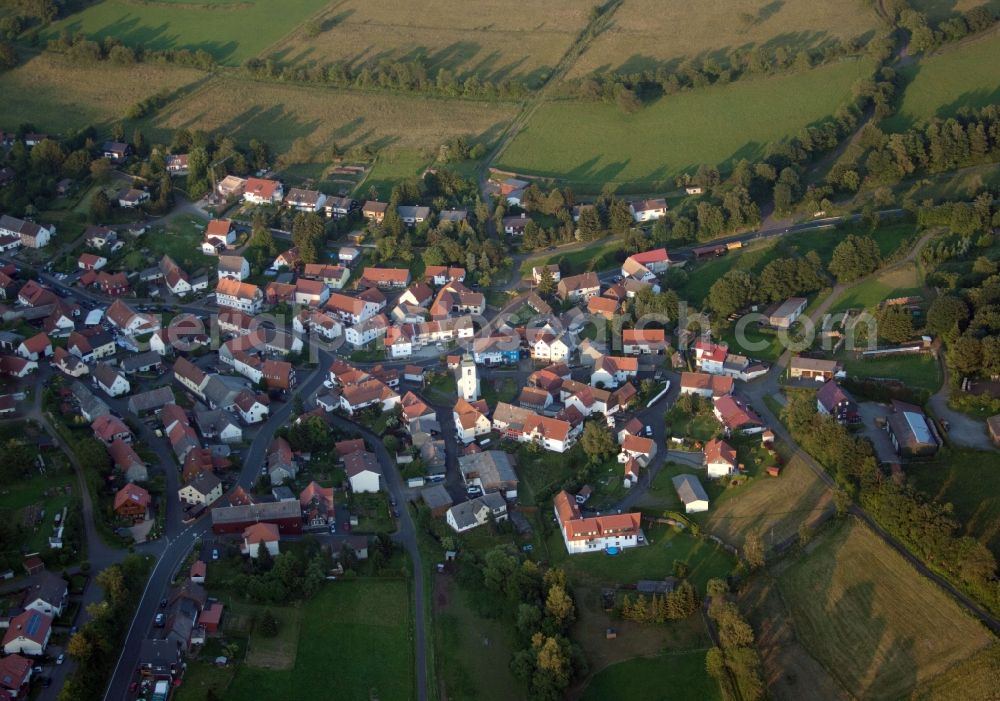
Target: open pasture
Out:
[280,114]
[676,133]
[646,34]
[775,507]
[959,77]
[865,616]
[230,31]
[495,41]
[57,95]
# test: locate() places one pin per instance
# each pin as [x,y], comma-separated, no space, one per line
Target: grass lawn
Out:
[916,371]
[230,32]
[634,41]
[599,255]
[541,471]
[181,240]
[702,426]
[23,501]
[503,390]
[942,85]
[966,480]
[472,651]
[390,168]
[759,344]
[606,145]
[899,282]
[863,613]
[345,639]
[647,679]
[202,675]
[441,387]
[280,113]
[57,95]
[653,561]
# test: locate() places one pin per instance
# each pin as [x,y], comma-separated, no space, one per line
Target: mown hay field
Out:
[861,613]
[589,143]
[231,31]
[963,76]
[773,507]
[280,113]
[494,41]
[645,34]
[57,95]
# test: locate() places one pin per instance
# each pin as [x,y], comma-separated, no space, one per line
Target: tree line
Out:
[407,75]
[937,146]
[631,90]
[95,647]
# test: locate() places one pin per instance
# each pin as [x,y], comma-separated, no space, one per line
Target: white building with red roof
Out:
[596,533]
[263,191]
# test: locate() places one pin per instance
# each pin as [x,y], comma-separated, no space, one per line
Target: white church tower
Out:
[468,380]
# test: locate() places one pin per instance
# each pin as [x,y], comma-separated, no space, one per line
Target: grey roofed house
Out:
[90,405]
[437,498]
[493,468]
[105,375]
[46,586]
[158,656]
[283,493]
[454,215]
[656,586]
[213,422]
[150,274]
[140,362]
[433,454]
[414,213]
[181,617]
[256,512]
[424,424]
[10,340]
[689,489]
[221,391]
[151,400]
[464,514]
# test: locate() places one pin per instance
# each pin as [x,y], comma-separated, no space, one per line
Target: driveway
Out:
[870,413]
[963,431]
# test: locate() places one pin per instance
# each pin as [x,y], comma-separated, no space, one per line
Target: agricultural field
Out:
[56,95]
[280,114]
[851,617]
[497,41]
[676,133]
[959,77]
[231,31]
[964,479]
[635,39]
[346,625]
[645,678]
[903,281]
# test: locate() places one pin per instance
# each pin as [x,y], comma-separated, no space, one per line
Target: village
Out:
[256,409]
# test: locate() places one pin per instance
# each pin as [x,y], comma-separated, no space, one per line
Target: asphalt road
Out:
[180,537]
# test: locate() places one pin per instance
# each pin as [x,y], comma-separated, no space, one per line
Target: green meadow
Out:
[594,143]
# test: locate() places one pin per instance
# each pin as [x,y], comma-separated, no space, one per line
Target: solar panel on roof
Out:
[33,623]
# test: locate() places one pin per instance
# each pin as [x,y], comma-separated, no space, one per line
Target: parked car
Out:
[473,491]
[215,553]
[163,603]
[61,658]
[160,620]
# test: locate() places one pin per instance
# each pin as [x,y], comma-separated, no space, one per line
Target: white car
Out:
[328,384]
[61,658]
